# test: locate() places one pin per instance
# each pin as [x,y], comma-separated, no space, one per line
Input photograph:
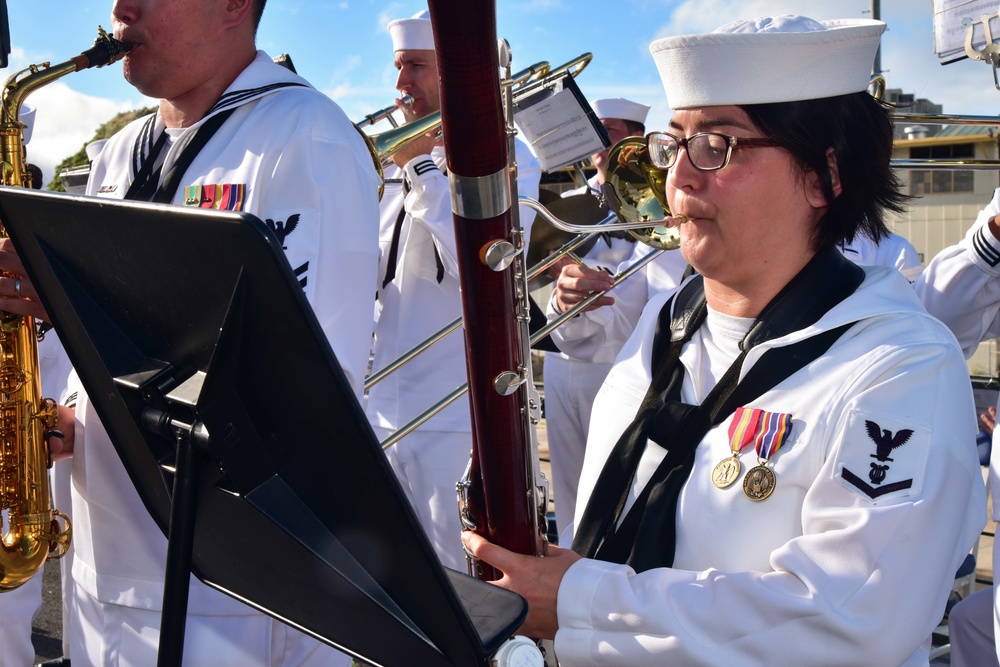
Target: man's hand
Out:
[62,447]
[994,227]
[989,419]
[577,282]
[536,579]
[17,294]
[419,146]
[415,147]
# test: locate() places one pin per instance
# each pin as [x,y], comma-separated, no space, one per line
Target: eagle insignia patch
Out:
[282,228]
[882,458]
[297,230]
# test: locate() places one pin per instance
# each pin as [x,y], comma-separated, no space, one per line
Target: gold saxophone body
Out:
[34,531]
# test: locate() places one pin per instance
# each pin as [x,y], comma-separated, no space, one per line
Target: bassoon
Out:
[503,497]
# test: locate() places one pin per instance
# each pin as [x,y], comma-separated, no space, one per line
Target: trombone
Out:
[635,191]
[938,163]
[878,84]
[384,145]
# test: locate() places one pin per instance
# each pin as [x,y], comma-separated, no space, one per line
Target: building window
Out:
[938,182]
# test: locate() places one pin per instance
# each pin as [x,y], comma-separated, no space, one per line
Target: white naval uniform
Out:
[411,307]
[961,287]
[599,334]
[570,387]
[819,573]
[306,170]
[892,251]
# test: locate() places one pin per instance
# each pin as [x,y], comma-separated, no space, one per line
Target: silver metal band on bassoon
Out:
[480,197]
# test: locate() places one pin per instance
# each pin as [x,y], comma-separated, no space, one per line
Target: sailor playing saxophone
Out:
[254,137]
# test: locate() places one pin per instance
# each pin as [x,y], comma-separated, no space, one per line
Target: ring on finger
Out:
[17,288]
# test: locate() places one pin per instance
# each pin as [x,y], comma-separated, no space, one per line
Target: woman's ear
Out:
[814,189]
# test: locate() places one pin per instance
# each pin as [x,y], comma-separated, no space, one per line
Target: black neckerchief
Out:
[646,537]
[147,183]
[147,186]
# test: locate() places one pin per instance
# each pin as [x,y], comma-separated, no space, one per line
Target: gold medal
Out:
[726,472]
[759,482]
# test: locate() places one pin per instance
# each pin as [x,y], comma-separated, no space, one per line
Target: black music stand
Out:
[183,323]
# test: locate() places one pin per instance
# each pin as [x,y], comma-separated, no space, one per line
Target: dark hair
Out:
[858,129]
[258,11]
[634,127]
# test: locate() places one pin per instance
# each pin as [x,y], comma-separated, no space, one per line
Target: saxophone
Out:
[35,531]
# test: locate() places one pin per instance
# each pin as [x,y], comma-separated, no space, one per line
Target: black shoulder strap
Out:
[144,187]
[172,179]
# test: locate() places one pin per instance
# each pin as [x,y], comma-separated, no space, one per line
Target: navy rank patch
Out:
[882,458]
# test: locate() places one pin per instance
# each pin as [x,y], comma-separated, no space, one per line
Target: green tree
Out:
[103,132]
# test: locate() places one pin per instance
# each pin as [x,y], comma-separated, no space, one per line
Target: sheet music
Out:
[558,131]
[949,33]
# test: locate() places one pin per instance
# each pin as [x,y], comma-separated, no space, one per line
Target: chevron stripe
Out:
[983,248]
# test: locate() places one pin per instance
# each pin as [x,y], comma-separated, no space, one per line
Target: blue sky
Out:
[342,47]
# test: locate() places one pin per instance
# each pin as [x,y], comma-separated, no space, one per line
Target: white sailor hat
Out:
[617,107]
[26,114]
[773,59]
[413,33]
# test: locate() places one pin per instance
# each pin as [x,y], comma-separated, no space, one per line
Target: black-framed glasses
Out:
[707,151]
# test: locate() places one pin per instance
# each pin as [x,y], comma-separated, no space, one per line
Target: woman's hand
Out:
[536,579]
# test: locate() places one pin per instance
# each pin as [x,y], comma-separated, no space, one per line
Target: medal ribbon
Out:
[775,429]
[743,428]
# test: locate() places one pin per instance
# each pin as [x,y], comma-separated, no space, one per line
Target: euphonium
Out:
[34,530]
[636,191]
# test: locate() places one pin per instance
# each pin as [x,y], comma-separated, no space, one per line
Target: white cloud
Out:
[908,59]
[392,11]
[65,120]
[540,7]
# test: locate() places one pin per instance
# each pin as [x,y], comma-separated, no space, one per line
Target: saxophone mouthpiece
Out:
[106,50]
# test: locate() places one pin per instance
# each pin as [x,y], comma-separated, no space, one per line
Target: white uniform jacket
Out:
[836,567]
[290,156]
[591,186]
[415,303]
[893,251]
[609,251]
[961,287]
[598,335]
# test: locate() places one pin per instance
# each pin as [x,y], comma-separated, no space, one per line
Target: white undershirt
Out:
[173,133]
[720,345]
[717,346]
